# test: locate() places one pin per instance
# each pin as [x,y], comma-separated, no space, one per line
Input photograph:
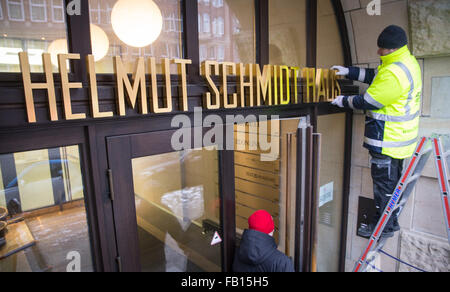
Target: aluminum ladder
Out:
[404,189]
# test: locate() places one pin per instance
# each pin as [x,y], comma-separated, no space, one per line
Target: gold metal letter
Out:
[263,84]
[224,89]
[275,85]
[95,109]
[212,87]
[28,86]
[337,88]
[242,74]
[67,86]
[309,75]
[154,105]
[295,78]
[285,99]
[320,85]
[132,91]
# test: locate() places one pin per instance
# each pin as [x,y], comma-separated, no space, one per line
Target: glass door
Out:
[270,158]
[166,204]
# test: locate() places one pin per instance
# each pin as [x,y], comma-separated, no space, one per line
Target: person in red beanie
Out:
[258,251]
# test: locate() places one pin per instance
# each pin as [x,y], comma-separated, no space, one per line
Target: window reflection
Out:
[329,45]
[287,32]
[177,208]
[43,224]
[267,185]
[226,30]
[167,45]
[30,26]
[38,26]
[331,188]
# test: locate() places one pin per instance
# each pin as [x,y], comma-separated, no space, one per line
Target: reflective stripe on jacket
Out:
[392,104]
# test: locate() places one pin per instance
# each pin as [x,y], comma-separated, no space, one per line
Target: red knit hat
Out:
[261,221]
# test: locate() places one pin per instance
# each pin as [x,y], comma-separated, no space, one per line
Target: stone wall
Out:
[423,238]
[429,21]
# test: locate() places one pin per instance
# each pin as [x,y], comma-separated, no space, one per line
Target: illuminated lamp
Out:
[99,41]
[138,23]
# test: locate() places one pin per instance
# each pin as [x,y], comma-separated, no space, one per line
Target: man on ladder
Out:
[392,104]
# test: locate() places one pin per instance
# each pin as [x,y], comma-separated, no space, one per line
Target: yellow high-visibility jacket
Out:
[392,104]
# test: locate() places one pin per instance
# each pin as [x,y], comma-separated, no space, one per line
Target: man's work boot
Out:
[366,231]
[396,226]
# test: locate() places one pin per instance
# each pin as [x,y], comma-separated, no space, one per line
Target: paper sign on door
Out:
[216,239]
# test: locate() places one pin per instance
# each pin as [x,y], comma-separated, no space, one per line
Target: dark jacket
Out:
[258,253]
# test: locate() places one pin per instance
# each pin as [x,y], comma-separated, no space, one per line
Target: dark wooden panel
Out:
[79,39]
[119,150]
[311,33]
[262,31]
[190,36]
[227,210]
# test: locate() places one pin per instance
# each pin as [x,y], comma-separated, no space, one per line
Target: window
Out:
[329,45]
[218,3]
[212,53]
[172,214]
[15,10]
[220,26]
[227,31]
[169,38]
[287,35]
[95,13]
[38,11]
[200,27]
[58,11]
[206,23]
[1,11]
[221,53]
[203,52]
[44,35]
[171,23]
[45,188]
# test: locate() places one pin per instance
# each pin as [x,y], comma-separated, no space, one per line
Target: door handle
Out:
[289,137]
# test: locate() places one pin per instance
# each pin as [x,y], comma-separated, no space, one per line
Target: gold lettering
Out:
[226,103]
[132,91]
[337,88]
[264,85]
[330,85]
[67,86]
[320,85]
[167,107]
[182,71]
[275,85]
[284,72]
[331,78]
[243,70]
[295,78]
[309,75]
[207,103]
[95,108]
[28,86]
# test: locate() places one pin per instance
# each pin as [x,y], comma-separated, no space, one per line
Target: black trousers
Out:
[386,172]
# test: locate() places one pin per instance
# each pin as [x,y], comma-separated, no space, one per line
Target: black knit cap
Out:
[392,37]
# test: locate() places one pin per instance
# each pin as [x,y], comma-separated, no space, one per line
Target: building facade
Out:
[114,157]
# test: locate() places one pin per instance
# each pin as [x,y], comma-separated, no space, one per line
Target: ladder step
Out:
[413,178]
